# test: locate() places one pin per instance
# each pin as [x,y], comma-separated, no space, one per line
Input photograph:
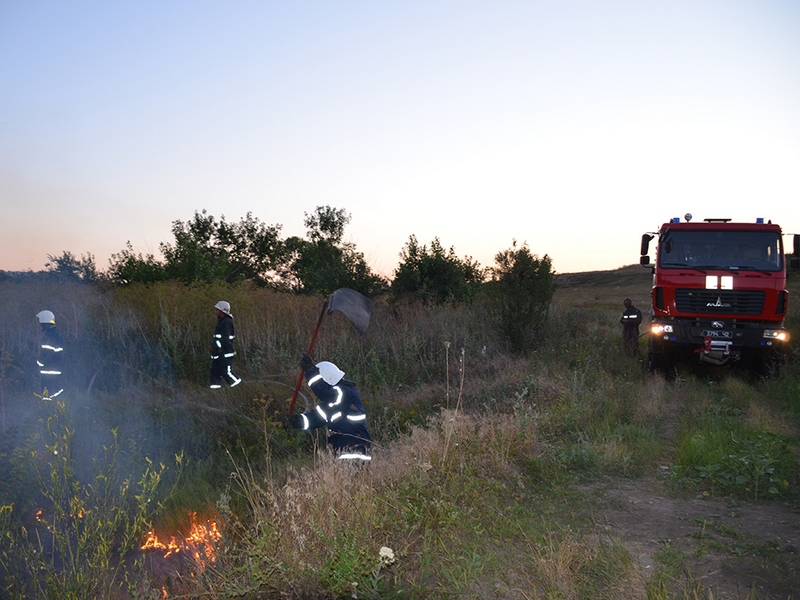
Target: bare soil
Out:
[734,549]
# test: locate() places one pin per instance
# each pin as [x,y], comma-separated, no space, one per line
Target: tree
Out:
[433,275]
[128,267]
[194,256]
[520,293]
[327,224]
[322,263]
[254,250]
[206,250]
[69,267]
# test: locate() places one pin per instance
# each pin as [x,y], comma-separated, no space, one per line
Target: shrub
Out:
[519,295]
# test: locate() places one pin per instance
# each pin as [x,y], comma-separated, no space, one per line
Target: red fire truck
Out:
[719,294]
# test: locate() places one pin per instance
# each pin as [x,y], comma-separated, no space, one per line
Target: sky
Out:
[573,126]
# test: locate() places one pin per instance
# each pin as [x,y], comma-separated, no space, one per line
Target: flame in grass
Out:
[200,543]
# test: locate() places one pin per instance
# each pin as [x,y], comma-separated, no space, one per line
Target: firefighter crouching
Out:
[50,352]
[340,409]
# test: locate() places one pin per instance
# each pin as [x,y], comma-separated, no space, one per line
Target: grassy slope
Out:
[494,476]
[505,494]
[606,289]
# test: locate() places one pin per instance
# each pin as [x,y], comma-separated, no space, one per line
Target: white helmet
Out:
[331,374]
[224,307]
[46,317]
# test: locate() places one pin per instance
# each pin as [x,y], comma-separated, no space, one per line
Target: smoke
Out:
[109,367]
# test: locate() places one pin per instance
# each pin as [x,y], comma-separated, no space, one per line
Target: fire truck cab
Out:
[719,293]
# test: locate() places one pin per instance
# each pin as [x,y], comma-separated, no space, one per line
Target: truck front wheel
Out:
[658,360]
[765,364]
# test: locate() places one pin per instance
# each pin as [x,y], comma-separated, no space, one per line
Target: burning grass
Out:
[199,543]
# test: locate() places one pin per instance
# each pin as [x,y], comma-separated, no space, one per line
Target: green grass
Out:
[484,462]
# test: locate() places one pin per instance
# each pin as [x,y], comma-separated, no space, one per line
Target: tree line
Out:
[516,291]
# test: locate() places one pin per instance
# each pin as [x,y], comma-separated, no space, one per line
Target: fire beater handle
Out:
[310,348]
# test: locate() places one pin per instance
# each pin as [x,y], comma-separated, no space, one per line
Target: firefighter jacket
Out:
[630,319]
[50,353]
[222,345]
[342,411]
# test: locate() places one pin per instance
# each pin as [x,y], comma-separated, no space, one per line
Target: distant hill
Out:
[608,288]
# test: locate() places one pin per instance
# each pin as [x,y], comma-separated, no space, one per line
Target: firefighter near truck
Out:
[719,294]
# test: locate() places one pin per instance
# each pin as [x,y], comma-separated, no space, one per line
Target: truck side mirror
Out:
[647,237]
[644,260]
[797,244]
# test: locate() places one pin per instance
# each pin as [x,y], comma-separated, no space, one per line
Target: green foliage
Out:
[519,295]
[724,457]
[434,275]
[206,250]
[78,542]
[347,571]
[327,224]
[16,471]
[127,266]
[323,263]
[70,268]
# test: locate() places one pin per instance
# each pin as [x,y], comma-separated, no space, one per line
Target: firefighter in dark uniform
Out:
[340,409]
[631,319]
[222,351]
[50,352]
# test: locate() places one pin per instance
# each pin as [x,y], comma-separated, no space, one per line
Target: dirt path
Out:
[731,548]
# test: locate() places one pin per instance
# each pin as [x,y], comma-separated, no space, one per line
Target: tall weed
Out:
[324,529]
[75,544]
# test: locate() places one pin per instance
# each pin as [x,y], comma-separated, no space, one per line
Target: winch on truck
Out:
[719,293]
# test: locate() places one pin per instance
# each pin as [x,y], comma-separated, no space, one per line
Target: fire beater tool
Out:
[356,307]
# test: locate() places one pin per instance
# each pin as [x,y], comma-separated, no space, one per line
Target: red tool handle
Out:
[310,348]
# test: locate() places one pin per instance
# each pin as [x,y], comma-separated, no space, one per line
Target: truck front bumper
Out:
[716,341]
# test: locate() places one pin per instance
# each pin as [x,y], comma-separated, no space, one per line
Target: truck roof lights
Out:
[760,220]
[676,219]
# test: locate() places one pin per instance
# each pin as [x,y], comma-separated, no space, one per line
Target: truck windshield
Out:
[734,250]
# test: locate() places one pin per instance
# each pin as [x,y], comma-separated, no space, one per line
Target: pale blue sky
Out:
[575,125]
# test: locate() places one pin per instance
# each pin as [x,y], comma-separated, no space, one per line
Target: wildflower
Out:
[386,555]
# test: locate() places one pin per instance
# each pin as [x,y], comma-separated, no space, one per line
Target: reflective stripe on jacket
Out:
[222,344]
[341,410]
[51,351]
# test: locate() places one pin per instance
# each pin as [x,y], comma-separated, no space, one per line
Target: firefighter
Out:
[222,351]
[340,409]
[50,352]
[631,319]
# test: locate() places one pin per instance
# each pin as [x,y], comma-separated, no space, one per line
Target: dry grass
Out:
[442,498]
[477,452]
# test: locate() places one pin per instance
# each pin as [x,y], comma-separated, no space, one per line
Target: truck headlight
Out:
[776,334]
[658,328]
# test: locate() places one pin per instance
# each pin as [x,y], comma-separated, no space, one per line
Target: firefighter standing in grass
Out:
[631,319]
[340,409]
[50,352]
[222,351]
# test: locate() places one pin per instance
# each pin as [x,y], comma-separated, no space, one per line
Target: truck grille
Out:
[739,302]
